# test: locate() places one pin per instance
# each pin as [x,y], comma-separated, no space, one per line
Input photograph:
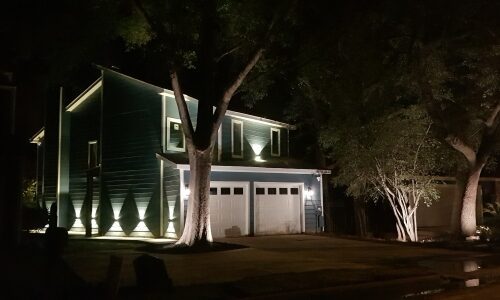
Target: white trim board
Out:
[84,95]
[38,136]
[257,169]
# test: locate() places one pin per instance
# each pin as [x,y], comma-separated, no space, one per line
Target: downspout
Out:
[59,156]
[162,175]
[321,197]
[101,142]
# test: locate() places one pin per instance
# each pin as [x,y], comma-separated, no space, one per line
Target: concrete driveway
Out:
[286,265]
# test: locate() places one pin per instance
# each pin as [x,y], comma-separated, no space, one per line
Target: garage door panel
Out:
[228,209]
[277,209]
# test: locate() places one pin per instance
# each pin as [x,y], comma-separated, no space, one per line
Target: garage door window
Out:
[283,191]
[213,191]
[294,191]
[260,191]
[238,191]
[225,191]
[271,191]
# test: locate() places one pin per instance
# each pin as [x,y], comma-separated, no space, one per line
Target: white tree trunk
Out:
[197,225]
[468,216]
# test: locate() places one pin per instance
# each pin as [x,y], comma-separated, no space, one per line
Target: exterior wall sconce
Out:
[187,192]
[309,193]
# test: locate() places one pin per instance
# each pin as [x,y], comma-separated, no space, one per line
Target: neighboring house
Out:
[117,158]
[438,217]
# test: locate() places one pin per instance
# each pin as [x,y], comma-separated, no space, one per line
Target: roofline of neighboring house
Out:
[245,169]
[38,136]
[451,178]
[170,93]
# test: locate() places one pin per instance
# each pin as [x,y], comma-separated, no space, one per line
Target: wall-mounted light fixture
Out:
[318,176]
[309,192]
[257,149]
[186,192]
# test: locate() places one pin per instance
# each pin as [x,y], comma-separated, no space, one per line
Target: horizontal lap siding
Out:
[253,134]
[84,127]
[171,187]
[131,139]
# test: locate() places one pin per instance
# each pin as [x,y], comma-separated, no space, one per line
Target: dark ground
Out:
[277,267]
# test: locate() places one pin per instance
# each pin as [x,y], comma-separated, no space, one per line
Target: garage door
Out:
[277,208]
[228,208]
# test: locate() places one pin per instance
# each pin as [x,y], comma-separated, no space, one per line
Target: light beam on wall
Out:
[257,149]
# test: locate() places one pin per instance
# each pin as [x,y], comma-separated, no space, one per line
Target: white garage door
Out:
[228,208]
[277,207]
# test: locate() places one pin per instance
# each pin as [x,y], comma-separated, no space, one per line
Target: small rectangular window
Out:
[260,191]
[283,191]
[294,191]
[92,155]
[175,136]
[225,191]
[238,191]
[213,191]
[237,138]
[271,191]
[275,142]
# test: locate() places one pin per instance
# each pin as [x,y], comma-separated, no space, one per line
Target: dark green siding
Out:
[84,127]
[131,139]
[253,134]
[171,187]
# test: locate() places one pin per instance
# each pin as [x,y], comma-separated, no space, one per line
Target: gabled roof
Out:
[38,136]
[84,95]
[170,93]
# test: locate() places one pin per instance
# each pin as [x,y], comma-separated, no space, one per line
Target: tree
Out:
[391,157]
[454,71]
[203,37]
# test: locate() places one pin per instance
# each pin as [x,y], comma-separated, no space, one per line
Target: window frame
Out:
[233,121]
[91,144]
[172,148]
[274,129]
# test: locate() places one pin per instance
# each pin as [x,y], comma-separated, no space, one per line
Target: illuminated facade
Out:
[116,159]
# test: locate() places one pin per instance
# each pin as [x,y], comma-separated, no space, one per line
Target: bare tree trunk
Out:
[360,221]
[197,229]
[456,213]
[468,216]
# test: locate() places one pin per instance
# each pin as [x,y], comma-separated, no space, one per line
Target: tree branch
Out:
[187,125]
[218,59]
[221,109]
[492,121]
[461,147]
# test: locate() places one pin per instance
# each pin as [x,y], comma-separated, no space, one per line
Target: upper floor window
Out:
[175,136]
[275,142]
[237,138]
[92,158]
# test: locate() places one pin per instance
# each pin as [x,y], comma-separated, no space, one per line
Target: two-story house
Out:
[116,157]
